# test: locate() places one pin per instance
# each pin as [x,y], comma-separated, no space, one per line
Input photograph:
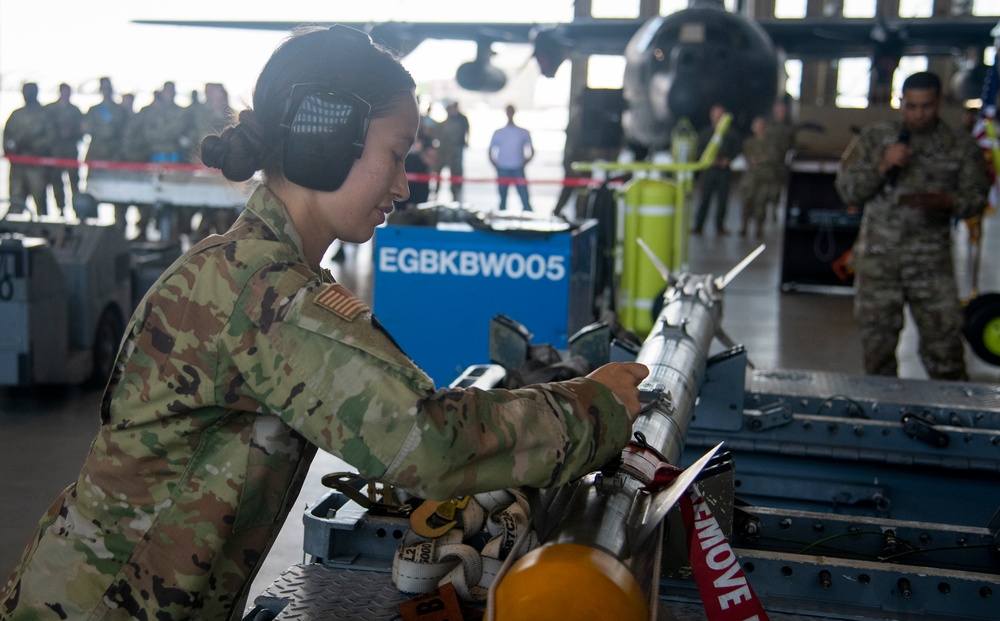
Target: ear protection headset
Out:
[325,127]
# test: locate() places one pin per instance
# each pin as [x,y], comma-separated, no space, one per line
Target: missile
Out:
[599,557]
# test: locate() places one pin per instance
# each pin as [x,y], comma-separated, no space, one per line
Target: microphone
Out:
[892,175]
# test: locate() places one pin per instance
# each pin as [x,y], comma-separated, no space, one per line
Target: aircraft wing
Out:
[825,37]
[589,36]
[403,37]
[815,37]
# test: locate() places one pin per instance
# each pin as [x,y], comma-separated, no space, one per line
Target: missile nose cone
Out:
[570,581]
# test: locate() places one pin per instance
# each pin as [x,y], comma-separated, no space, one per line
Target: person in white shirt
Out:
[510,151]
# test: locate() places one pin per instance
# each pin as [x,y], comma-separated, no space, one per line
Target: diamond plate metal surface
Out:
[316,592]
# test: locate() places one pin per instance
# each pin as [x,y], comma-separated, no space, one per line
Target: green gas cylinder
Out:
[650,213]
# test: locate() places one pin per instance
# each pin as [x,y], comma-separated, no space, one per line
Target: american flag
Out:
[988,108]
[988,115]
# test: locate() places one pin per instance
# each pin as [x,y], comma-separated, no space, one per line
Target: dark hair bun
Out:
[238,151]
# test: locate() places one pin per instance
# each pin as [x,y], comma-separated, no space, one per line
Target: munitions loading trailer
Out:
[851,497]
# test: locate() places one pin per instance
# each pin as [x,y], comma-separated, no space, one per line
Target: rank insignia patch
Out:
[339,300]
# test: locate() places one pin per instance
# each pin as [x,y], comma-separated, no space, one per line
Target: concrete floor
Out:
[45,433]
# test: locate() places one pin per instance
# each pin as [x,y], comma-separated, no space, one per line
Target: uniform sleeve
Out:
[44,131]
[973,182]
[857,177]
[312,355]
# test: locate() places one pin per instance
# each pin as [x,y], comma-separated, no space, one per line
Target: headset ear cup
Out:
[312,164]
[325,133]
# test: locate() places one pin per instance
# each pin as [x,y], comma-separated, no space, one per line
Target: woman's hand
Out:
[623,379]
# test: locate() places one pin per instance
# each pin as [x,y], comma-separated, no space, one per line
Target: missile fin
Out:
[663,500]
[721,282]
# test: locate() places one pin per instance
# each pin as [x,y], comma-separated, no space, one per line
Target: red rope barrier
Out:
[162,167]
[71,163]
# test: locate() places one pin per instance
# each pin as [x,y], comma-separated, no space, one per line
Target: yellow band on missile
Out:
[569,581]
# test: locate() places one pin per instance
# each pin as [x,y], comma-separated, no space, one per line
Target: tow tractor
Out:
[68,286]
[65,292]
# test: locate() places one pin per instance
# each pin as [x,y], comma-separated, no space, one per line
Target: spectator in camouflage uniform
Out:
[207,118]
[245,356]
[780,139]
[761,183]
[28,132]
[210,117]
[106,122]
[68,122]
[912,176]
[160,133]
[128,103]
[453,136]
[166,128]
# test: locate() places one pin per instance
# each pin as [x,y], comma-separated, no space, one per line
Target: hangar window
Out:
[986,7]
[669,7]
[908,65]
[790,9]
[793,77]
[916,8]
[859,8]
[853,82]
[614,8]
[605,71]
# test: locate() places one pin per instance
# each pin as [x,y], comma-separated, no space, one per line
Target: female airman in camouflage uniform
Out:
[246,356]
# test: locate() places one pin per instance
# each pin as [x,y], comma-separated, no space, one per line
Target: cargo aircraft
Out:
[681,64]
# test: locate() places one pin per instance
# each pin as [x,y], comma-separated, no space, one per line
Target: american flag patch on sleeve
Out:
[337,299]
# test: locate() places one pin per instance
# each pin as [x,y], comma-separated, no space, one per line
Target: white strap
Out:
[421,565]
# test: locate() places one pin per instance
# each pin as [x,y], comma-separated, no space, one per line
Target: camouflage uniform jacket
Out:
[452,135]
[105,123]
[239,361]
[68,121]
[941,159]
[204,121]
[158,129]
[29,131]
[761,183]
[780,139]
[763,165]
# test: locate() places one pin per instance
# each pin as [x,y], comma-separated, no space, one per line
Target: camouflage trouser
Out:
[755,194]
[452,160]
[55,179]
[883,285]
[28,181]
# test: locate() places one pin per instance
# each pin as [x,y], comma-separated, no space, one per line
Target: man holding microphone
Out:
[912,176]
